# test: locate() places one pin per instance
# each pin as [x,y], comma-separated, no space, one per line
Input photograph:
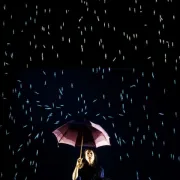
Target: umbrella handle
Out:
[81,146]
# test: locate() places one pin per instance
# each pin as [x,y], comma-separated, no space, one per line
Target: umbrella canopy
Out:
[72,133]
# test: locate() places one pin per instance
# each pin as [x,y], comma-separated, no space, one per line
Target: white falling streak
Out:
[162,114]
[174,131]
[115,135]
[109,104]
[37,153]
[37,136]
[42,56]
[133,86]
[137,175]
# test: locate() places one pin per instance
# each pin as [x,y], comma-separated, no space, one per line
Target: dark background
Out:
[140,85]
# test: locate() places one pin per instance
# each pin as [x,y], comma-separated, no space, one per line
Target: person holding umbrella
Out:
[87,168]
[87,134]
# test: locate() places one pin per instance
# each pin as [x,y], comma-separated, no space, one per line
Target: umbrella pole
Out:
[81,146]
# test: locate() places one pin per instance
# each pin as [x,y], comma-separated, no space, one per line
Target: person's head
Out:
[90,156]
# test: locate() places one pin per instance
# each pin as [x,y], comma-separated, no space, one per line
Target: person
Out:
[87,167]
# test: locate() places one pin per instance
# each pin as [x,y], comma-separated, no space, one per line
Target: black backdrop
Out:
[124,79]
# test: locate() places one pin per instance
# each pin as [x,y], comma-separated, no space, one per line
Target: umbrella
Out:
[84,133]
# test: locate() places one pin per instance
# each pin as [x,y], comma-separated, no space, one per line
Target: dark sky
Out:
[114,63]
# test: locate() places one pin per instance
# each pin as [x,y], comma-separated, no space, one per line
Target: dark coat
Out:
[90,173]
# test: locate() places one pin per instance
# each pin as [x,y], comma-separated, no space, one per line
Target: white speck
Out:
[161,114]
[43,28]
[133,86]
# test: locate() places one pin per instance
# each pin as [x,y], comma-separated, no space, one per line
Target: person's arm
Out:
[75,173]
[79,165]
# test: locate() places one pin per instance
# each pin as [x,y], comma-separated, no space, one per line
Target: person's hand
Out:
[79,162]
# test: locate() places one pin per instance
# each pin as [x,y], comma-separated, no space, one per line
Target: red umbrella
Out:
[74,133]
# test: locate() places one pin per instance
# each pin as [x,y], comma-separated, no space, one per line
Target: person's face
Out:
[89,156]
